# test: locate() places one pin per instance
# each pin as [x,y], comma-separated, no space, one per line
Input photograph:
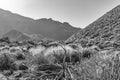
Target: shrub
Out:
[87,53]
[40,59]
[20,56]
[75,57]
[23,67]
[59,57]
[70,56]
[5,62]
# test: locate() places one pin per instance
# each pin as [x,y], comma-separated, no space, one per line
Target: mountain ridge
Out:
[46,27]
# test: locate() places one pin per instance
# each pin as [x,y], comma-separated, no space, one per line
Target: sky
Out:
[79,13]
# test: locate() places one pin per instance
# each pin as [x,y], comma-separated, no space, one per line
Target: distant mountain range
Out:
[106,29]
[19,27]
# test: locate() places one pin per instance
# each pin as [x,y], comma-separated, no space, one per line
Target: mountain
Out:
[53,29]
[10,21]
[104,30]
[16,35]
[42,27]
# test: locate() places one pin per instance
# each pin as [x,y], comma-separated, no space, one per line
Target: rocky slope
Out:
[106,29]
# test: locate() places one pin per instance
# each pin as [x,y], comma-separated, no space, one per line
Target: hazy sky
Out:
[78,13]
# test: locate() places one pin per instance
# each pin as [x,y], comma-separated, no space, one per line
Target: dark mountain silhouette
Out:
[42,27]
[104,30]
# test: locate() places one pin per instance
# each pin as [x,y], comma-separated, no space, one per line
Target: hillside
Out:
[10,21]
[16,35]
[106,29]
[53,29]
